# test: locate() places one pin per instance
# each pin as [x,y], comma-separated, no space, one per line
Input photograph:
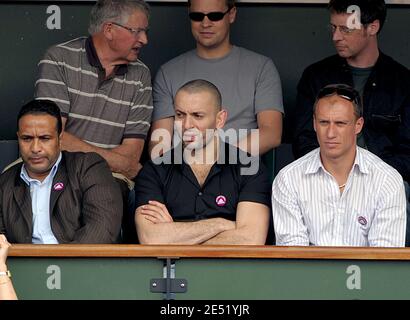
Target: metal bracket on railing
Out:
[169,285]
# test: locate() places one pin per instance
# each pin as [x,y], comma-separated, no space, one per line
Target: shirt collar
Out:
[316,163]
[225,149]
[93,59]
[359,161]
[27,179]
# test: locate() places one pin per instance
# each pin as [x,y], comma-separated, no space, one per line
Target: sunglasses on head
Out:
[342,90]
[213,16]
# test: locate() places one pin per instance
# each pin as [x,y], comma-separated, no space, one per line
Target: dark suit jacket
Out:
[87,210]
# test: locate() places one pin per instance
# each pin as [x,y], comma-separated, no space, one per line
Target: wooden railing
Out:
[185,251]
[238,1]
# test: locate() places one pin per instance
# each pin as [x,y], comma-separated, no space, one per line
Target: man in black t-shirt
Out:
[204,191]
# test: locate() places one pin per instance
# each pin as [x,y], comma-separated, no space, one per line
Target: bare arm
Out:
[252,223]
[161,137]
[155,226]
[6,286]
[123,159]
[267,136]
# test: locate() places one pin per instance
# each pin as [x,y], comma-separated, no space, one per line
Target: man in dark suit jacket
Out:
[53,196]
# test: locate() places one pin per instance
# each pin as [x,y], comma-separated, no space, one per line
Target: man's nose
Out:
[206,22]
[35,146]
[187,123]
[331,131]
[337,35]
[143,38]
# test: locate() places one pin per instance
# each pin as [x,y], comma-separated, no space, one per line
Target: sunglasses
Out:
[213,16]
[342,90]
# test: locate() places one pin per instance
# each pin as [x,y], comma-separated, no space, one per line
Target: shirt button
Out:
[199,193]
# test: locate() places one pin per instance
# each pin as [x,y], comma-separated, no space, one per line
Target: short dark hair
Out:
[370,10]
[200,85]
[42,107]
[229,3]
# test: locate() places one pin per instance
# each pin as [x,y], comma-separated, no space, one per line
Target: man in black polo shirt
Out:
[202,194]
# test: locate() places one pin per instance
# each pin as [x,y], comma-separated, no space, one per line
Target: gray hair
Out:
[114,10]
[199,85]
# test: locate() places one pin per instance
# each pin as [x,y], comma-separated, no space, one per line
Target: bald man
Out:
[207,197]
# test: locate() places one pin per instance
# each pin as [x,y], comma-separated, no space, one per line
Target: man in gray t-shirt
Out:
[249,82]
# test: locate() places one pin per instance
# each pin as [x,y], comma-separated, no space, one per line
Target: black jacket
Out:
[386,104]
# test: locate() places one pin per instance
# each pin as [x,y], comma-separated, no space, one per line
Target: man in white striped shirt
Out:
[339,194]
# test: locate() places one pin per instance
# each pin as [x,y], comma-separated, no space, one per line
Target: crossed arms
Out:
[156,226]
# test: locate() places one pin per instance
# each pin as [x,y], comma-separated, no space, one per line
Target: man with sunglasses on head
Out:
[339,194]
[103,90]
[382,82]
[249,82]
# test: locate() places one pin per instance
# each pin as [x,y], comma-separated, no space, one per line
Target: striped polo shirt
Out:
[99,111]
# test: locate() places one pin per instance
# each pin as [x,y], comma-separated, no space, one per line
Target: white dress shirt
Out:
[309,209]
[40,204]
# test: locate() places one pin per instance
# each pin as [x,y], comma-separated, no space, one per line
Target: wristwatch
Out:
[5,273]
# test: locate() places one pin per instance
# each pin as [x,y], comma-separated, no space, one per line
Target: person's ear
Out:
[373,28]
[359,125]
[232,15]
[107,30]
[60,138]
[314,123]
[221,117]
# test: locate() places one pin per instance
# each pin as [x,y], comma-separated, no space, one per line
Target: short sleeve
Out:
[148,185]
[255,187]
[51,83]
[163,97]
[268,93]
[139,118]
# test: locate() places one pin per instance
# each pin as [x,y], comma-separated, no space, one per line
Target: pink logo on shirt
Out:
[220,201]
[362,220]
[59,186]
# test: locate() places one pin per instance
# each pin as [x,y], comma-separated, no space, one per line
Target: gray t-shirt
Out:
[249,83]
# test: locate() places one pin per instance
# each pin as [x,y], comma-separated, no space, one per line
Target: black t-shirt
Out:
[176,186]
